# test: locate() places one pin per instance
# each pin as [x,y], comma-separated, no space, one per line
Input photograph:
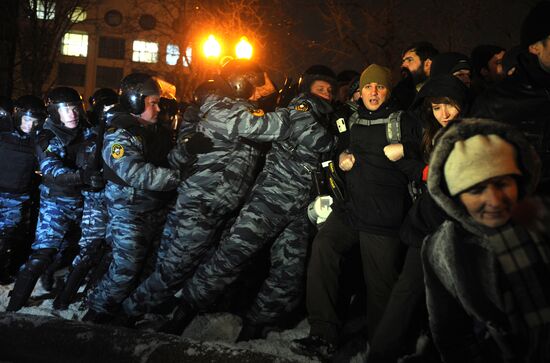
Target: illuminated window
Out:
[78,15]
[45,9]
[187,58]
[146,52]
[172,54]
[75,44]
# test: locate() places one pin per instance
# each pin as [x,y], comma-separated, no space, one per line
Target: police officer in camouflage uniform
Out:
[275,212]
[219,186]
[138,187]
[60,147]
[17,180]
[92,243]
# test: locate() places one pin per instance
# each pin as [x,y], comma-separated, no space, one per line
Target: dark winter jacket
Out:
[523,100]
[425,216]
[378,197]
[17,162]
[464,280]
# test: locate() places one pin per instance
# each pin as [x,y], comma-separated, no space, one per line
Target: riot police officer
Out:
[93,247]
[274,216]
[60,148]
[17,180]
[223,178]
[138,188]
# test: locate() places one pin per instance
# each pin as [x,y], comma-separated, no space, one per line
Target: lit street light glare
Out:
[243,49]
[212,48]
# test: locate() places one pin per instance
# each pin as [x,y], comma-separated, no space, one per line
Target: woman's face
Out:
[444,112]
[491,202]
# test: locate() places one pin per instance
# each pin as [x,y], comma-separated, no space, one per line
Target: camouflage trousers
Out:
[58,216]
[14,210]
[94,222]
[14,219]
[260,222]
[134,222]
[189,234]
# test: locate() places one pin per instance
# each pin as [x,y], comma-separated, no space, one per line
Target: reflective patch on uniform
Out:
[302,107]
[258,112]
[117,151]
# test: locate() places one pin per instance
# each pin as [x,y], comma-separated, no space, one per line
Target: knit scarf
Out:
[524,256]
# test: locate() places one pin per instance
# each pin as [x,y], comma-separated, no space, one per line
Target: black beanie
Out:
[536,25]
[444,85]
[448,63]
[482,54]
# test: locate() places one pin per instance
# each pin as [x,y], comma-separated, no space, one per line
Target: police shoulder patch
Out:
[117,151]
[258,112]
[304,106]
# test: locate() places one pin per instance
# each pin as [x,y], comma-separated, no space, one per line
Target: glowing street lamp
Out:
[211,47]
[243,49]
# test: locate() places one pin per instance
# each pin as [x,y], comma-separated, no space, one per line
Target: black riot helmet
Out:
[242,76]
[133,90]
[6,108]
[63,97]
[203,90]
[315,73]
[29,106]
[98,101]
[103,97]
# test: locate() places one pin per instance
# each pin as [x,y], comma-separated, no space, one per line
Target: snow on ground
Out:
[216,328]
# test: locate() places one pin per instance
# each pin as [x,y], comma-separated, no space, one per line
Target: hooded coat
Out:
[464,281]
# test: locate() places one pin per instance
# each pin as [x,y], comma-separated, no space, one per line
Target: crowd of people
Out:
[438,185]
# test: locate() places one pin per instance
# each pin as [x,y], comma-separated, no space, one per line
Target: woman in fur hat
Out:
[485,266]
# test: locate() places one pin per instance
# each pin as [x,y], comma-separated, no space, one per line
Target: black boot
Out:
[60,261]
[313,346]
[6,277]
[182,317]
[74,281]
[28,276]
[97,317]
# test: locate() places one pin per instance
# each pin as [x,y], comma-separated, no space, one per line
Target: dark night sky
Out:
[456,25]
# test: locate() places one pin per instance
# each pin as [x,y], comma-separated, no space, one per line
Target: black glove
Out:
[188,170]
[92,178]
[196,143]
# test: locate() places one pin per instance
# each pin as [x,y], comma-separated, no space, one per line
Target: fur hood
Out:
[528,163]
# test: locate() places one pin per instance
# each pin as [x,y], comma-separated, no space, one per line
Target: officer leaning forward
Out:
[137,191]
[59,148]
[274,216]
[18,163]
[220,185]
